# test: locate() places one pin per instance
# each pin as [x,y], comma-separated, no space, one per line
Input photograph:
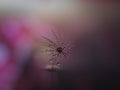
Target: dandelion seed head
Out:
[58,48]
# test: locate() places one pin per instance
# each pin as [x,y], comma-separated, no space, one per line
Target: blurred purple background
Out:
[93,63]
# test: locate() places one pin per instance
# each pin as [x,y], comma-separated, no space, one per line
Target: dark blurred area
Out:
[93,64]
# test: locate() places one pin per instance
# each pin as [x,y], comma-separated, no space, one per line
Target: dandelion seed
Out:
[59,49]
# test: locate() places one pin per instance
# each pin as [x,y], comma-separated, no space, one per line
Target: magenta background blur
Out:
[93,63]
